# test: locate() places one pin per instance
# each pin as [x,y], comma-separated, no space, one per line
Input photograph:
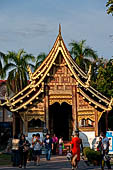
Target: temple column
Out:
[26,127]
[21,126]
[106,120]
[47,107]
[14,124]
[74,108]
[96,123]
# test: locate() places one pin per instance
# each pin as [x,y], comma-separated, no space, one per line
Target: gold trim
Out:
[13,110]
[86,116]
[83,129]
[92,101]
[31,117]
[60,101]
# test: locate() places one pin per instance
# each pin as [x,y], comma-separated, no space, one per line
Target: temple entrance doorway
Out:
[61,120]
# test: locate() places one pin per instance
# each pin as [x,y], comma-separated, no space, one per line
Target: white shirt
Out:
[37,146]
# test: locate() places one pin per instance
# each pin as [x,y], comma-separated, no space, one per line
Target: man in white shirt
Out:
[105,144]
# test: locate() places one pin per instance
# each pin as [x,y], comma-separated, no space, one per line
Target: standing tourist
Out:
[48,146]
[100,146]
[55,141]
[100,149]
[37,149]
[105,157]
[23,150]
[60,145]
[75,145]
[33,142]
[15,151]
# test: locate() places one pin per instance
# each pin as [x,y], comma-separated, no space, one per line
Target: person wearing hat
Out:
[75,148]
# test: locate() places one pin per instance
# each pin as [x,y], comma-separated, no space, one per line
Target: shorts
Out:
[37,152]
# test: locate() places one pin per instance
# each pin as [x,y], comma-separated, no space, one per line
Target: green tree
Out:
[3,62]
[82,54]
[17,69]
[109,6]
[39,59]
[104,81]
[101,62]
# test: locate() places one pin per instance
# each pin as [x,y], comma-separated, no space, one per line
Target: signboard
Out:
[109,134]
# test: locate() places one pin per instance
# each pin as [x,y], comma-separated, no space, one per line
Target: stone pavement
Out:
[56,162]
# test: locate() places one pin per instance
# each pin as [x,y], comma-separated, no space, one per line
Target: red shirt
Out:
[76,147]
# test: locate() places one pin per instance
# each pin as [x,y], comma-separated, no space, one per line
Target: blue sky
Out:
[33,25]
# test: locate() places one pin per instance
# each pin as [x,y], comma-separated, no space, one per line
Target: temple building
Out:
[60,98]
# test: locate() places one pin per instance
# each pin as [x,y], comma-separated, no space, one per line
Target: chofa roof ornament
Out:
[110,104]
[30,73]
[89,76]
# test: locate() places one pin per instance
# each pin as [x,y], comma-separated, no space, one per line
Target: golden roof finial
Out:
[60,37]
[60,29]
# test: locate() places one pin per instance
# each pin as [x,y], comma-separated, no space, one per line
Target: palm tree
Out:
[17,69]
[109,4]
[83,55]
[3,62]
[40,58]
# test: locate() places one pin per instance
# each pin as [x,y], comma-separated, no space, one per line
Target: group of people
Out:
[22,150]
[21,147]
[50,144]
[103,148]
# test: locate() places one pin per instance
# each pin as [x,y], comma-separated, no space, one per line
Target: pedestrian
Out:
[99,146]
[15,151]
[37,149]
[60,145]
[105,156]
[32,147]
[100,149]
[75,147]
[48,146]
[23,150]
[55,141]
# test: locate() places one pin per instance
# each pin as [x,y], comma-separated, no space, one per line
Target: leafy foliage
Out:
[40,58]
[82,54]
[3,61]
[104,78]
[17,69]
[109,4]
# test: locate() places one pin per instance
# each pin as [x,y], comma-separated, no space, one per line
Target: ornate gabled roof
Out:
[36,86]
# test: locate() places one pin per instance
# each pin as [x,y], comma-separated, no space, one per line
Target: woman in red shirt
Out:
[76,142]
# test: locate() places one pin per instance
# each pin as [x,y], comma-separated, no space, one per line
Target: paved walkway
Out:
[56,162]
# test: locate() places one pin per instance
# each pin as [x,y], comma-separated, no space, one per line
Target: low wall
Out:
[88,139]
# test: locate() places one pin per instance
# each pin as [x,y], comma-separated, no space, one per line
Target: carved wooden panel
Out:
[60,87]
[68,87]
[84,104]
[61,80]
